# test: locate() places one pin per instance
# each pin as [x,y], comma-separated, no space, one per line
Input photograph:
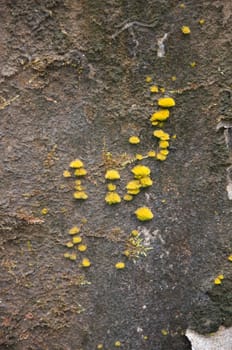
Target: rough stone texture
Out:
[73,85]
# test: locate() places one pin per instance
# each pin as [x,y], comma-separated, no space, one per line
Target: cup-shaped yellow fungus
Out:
[66,173]
[117,344]
[144,214]
[44,211]
[67,255]
[99,346]
[112,198]
[230,257]
[73,256]
[151,154]
[135,233]
[80,195]
[154,88]
[111,187]
[85,262]
[155,122]
[133,192]
[112,175]
[163,144]
[76,164]
[128,197]
[82,247]
[164,152]
[134,140]
[133,185]
[139,156]
[120,265]
[148,79]
[77,239]
[146,181]
[166,102]
[80,172]
[161,156]
[141,171]
[161,115]
[74,230]
[185,30]
[161,135]
[69,244]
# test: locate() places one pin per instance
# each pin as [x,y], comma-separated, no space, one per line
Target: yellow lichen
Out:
[66,173]
[82,247]
[151,154]
[66,255]
[148,79]
[185,30]
[112,198]
[154,88]
[139,156]
[77,239]
[134,140]
[127,197]
[173,78]
[164,332]
[112,175]
[161,156]
[146,181]
[73,256]
[217,281]
[166,102]
[155,122]
[85,262]
[201,21]
[193,64]
[161,135]
[140,171]
[77,182]
[80,195]
[79,188]
[144,214]
[80,172]
[120,265]
[100,346]
[44,211]
[230,257]
[69,244]
[133,185]
[163,144]
[133,192]
[77,163]
[135,233]
[117,343]
[164,152]
[161,115]
[74,230]
[111,187]
[162,89]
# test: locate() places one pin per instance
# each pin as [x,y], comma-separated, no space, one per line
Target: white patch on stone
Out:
[161,47]
[221,340]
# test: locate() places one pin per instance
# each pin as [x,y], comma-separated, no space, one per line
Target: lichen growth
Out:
[144,214]
[140,171]
[134,140]
[166,102]
[112,174]
[76,164]
[112,198]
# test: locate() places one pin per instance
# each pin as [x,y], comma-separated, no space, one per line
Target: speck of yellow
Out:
[120,265]
[193,64]
[230,257]
[161,135]
[80,172]
[77,163]
[148,79]
[112,198]
[166,102]
[201,21]
[221,277]
[155,122]
[164,331]
[44,211]
[133,192]
[135,233]
[117,344]
[111,187]
[77,239]
[217,281]
[145,337]
[133,185]
[80,195]
[182,6]
[163,200]
[151,154]
[82,247]
[79,188]
[140,171]
[161,115]
[128,197]
[146,181]
[66,173]
[112,175]
[73,256]
[85,262]
[77,182]
[174,136]
[69,244]
[126,253]
[163,144]
[74,230]
[173,78]
[154,88]
[139,156]
[66,255]
[144,214]
[162,89]
[164,152]
[161,156]
[134,140]
[100,346]
[84,220]
[185,30]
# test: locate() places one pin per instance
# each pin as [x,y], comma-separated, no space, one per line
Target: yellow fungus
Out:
[134,140]
[100,346]
[84,220]
[161,115]
[73,256]
[128,197]
[80,195]
[155,122]
[163,144]
[111,187]
[173,78]
[126,253]
[154,88]
[193,64]
[161,156]
[201,21]
[117,344]
[185,30]
[44,211]
[85,262]
[120,265]
[146,181]
[174,136]
[77,182]
[133,192]
[164,332]
[182,6]
[77,239]
[151,154]
[82,247]
[77,163]
[221,277]
[139,156]
[164,152]
[69,244]
[217,281]
[133,185]
[80,172]
[112,198]
[162,89]
[135,233]
[74,230]
[66,173]
[145,337]
[79,188]
[148,79]
[230,257]
[161,135]
[112,175]
[144,214]
[166,102]
[67,255]
[140,171]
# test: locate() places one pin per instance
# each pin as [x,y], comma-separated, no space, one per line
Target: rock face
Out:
[78,80]
[219,340]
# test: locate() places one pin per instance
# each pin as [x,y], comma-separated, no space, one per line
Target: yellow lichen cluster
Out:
[218,279]
[135,246]
[141,180]
[144,214]
[185,30]
[134,140]
[79,171]
[112,197]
